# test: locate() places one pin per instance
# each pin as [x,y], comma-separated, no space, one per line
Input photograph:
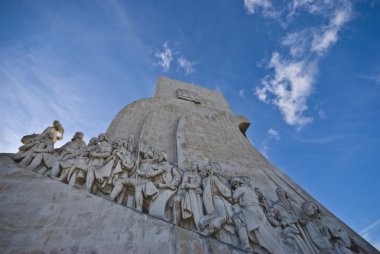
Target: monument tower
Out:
[187,180]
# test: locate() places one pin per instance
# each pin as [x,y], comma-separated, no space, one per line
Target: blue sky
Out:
[306,73]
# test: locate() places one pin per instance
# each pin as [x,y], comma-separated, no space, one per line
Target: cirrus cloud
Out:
[292,76]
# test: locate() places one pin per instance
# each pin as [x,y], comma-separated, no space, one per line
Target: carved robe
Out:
[41,153]
[67,157]
[278,216]
[39,141]
[103,151]
[191,201]
[120,162]
[325,238]
[218,209]
[255,219]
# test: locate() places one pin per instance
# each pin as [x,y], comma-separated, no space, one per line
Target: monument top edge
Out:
[174,89]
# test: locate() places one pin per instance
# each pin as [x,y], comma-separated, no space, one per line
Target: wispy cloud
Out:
[289,88]
[293,76]
[186,65]
[36,98]
[374,78]
[372,234]
[253,5]
[265,6]
[321,140]
[164,57]
[326,36]
[274,134]
[168,56]
[241,93]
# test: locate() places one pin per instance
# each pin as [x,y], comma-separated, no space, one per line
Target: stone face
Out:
[187,179]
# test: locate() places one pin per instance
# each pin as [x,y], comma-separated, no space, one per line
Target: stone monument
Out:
[174,173]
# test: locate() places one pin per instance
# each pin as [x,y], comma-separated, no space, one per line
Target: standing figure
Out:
[166,177]
[78,172]
[67,155]
[188,202]
[97,157]
[292,231]
[145,190]
[119,169]
[170,177]
[326,237]
[218,218]
[262,200]
[118,164]
[281,216]
[255,221]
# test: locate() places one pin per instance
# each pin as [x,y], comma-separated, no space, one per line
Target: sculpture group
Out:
[202,198]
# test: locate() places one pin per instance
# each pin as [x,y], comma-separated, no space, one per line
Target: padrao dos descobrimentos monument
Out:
[180,176]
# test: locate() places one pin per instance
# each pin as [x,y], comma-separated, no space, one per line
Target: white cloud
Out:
[253,5]
[297,42]
[241,93]
[289,88]
[186,65]
[328,35]
[292,81]
[273,134]
[165,57]
[168,56]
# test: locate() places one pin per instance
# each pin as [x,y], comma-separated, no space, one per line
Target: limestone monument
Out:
[173,173]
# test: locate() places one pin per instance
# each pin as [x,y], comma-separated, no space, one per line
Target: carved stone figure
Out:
[325,236]
[119,168]
[167,183]
[284,213]
[289,204]
[78,172]
[218,218]
[97,157]
[170,177]
[255,221]
[188,202]
[40,154]
[144,187]
[48,137]
[67,155]
[131,144]
[279,216]
[262,200]
[119,163]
